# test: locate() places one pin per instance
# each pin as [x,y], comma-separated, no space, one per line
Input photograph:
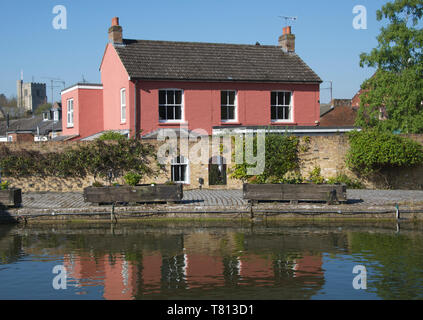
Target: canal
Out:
[299,260]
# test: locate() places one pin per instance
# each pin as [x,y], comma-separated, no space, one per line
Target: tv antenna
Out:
[287,19]
[52,86]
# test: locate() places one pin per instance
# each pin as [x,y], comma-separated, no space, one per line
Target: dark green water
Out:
[198,260]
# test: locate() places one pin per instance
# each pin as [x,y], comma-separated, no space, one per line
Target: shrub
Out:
[100,159]
[344,179]
[97,184]
[281,157]
[4,185]
[112,136]
[372,151]
[132,178]
[316,177]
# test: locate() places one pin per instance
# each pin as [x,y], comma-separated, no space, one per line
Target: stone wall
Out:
[326,152]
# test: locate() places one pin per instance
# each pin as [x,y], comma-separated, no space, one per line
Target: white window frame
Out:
[70,113]
[56,115]
[185,162]
[123,109]
[228,105]
[165,105]
[291,107]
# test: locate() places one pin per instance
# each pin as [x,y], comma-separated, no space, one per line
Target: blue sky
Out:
[326,39]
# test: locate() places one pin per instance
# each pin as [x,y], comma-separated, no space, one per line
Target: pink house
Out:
[150,85]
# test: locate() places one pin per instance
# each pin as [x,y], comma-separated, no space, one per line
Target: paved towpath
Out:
[220,198]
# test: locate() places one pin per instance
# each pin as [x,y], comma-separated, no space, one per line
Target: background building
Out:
[31,95]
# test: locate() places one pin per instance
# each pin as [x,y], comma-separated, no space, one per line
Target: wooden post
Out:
[112,214]
[251,210]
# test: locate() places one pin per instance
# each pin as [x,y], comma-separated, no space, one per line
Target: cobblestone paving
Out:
[75,200]
[384,197]
[218,198]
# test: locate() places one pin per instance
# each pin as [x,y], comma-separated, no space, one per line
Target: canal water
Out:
[214,260]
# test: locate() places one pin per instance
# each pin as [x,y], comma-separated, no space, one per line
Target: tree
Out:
[43,108]
[401,41]
[397,86]
[8,102]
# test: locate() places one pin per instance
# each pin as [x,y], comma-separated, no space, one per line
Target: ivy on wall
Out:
[281,157]
[375,151]
[107,160]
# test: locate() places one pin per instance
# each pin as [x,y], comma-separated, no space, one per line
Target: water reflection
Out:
[286,261]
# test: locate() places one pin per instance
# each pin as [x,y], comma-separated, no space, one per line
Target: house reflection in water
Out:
[114,273]
[204,263]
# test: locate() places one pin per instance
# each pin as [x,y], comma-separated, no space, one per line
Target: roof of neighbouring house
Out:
[339,116]
[65,138]
[193,61]
[30,125]
[325,108]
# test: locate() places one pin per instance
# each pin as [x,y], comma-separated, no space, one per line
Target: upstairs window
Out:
[281,106]
[70,113]
[170,105]
[228,106]
[123,105]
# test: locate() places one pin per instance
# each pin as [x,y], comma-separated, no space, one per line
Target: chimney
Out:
[287,40]
[115,32]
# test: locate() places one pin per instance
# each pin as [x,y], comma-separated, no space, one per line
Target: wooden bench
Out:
[295,192]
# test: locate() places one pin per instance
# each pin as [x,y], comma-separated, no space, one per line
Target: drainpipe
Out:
[135,109]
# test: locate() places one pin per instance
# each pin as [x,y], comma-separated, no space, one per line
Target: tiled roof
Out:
[31,124]
[325,108]
[192,61]
[339,116]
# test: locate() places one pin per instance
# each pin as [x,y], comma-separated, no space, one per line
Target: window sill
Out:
[276,123]
[176,123]
[69,127]
[230,123]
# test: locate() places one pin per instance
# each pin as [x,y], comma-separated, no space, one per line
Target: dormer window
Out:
[46,116]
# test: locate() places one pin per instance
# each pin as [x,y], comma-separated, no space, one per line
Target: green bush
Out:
[99,159]
[112,136]
[281,157]
[316,177]
[373,151]
[4,185]
[132,178]
[344,179]
[97,184]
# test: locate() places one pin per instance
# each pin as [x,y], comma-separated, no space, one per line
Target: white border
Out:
[81,87]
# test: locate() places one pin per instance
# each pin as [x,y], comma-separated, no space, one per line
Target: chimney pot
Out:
[115,32]
[288,30]
[115,21]
[287,40]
